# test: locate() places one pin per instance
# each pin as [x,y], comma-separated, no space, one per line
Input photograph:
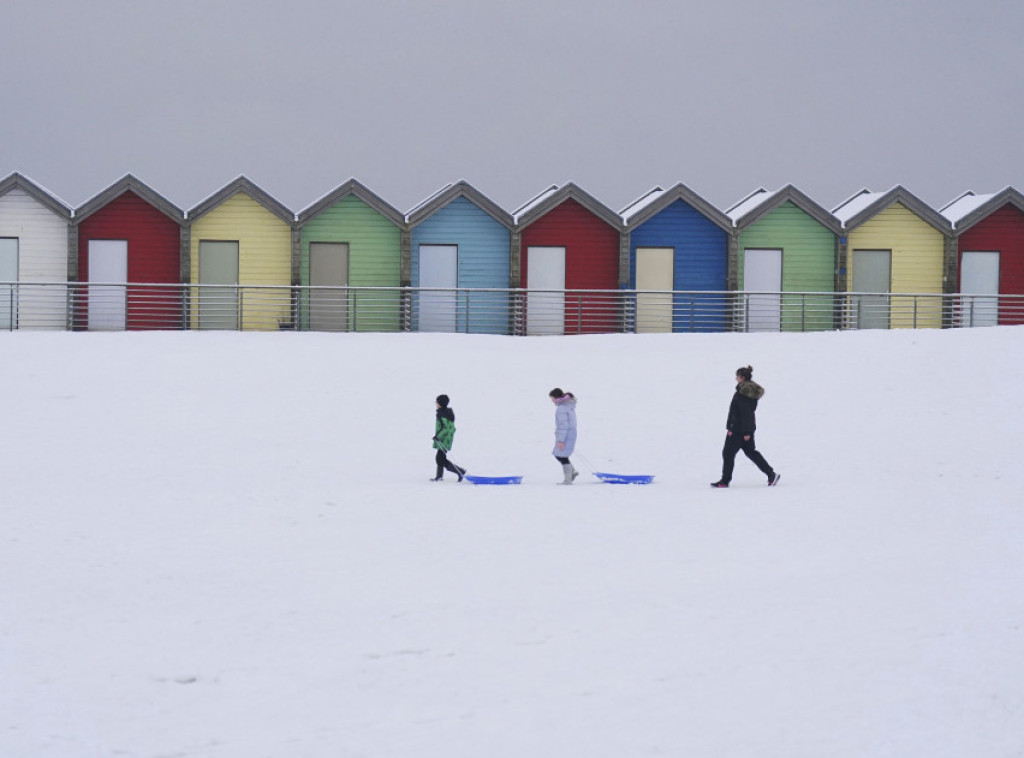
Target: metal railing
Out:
[118,306]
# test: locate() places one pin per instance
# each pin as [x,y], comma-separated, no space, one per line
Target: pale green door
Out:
[218,264]
[872,273]
[328,267]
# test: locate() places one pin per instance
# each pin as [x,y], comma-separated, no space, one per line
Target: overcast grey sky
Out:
[616,96]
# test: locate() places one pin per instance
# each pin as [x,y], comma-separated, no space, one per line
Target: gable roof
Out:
[554,196]
[37,192]
[244,186]
[761,202]
[450,192]
[865,204]
[969,208]
[129,183]
[657,199]
[354,188]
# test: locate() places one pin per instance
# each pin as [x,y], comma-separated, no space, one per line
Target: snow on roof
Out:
[640,203]
[964,205]
[427,200]
[749,203]
[532,203]
[855,204]
[53,195]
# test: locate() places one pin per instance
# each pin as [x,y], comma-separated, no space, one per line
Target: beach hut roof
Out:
[356,189]
[865,204]
[761,201]
[245,186]
[657,199]
[554,196]
[36,191]
[450,192]
[129,183]
[969,208]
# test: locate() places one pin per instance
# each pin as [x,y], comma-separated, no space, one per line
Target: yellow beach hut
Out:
[893,245]
[241,254]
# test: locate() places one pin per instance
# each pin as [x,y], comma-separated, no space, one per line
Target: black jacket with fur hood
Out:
[743,406]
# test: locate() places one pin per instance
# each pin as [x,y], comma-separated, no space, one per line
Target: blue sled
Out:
[624,478]
[494,479]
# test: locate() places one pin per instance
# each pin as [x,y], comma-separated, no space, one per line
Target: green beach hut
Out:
[783,242]
[350,238]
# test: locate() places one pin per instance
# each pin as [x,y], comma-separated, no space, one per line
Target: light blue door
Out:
[108,266]
[762,278]
[439,267]
[979,276]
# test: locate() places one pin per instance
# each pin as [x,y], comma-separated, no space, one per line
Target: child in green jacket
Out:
[444,435]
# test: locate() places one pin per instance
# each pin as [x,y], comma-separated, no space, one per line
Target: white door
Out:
[328,267]
[762,273]
[655,272]
[979,275]
[439,267]
[108,262]
[8,273]
[872,272]
[545,310]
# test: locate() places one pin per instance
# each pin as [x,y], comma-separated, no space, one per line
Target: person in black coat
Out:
[740,427]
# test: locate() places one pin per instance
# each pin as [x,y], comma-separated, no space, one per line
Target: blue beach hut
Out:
[677,241]
[458,238]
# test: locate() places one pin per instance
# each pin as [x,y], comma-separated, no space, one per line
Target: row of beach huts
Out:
[561,240]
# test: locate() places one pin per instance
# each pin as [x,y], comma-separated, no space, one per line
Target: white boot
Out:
[570,473]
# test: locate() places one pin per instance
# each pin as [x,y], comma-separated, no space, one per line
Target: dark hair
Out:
[746,372]
[556,393]
[442,400]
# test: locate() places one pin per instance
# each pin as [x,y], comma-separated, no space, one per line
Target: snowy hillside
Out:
[227,546]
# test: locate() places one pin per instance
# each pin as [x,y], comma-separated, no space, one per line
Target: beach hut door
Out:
[872,273]
[108,262]
[218,265]
[439,267]
[655,274]
[328,267]
[545,309]
[762,278]
[8,273]
[979,276]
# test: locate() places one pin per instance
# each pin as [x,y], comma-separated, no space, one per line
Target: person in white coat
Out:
[565,432]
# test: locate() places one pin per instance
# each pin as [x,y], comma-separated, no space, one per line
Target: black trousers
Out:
[733,444]
[441,459]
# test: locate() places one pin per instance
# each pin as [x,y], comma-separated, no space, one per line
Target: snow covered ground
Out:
[225,545]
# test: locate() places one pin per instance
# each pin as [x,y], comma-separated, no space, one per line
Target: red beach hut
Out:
[990,255]
[129,234]
[567,240]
